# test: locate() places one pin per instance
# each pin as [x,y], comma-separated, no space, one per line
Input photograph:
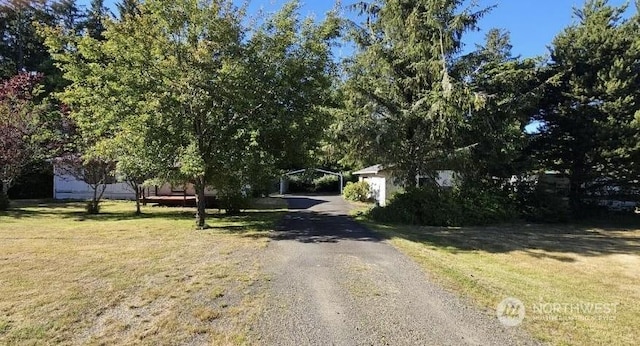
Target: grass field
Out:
[580,285]
[69,278]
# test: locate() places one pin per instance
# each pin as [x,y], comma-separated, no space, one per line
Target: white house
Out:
[66,186]
[383,185]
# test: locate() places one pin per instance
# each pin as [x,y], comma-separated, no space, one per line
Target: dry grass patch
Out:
[69,278]
[578,267]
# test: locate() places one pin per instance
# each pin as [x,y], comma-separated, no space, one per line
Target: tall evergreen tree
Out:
[67,15]
[21,49]
[96,14]
[403,104]
[507,91]
[591,99]
[128,8]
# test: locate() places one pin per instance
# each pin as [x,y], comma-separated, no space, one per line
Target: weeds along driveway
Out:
[335,282]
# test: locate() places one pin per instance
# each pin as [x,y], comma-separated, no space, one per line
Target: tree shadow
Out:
[540,241]
[305,225]
[317,227]
[18,211]
[251,223]
[303,202]
[75,211]
[596,237]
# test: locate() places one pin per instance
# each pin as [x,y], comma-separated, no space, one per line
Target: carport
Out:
[299,171]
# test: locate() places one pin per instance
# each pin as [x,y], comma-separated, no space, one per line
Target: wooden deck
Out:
[179,201]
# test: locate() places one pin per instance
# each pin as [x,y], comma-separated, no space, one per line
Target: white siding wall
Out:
[445,178]
[378,188]
[67,187]
[383,186]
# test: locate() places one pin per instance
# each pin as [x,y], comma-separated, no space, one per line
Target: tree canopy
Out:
[196,92]
[196,99]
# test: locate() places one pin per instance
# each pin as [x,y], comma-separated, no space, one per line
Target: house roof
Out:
[375,169]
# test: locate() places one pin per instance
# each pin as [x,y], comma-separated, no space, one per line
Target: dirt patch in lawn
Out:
[118,278]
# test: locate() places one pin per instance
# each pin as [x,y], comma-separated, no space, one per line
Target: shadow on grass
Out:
[597,237]
[540,241]
[250,219]
[589,238]
[251,223]
[76,213]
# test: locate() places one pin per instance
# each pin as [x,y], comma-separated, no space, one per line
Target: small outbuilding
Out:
[383,184]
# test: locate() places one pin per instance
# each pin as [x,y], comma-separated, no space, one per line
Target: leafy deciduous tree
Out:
[182,86]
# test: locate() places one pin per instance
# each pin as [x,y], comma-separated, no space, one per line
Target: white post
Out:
[282,185]
[341,184]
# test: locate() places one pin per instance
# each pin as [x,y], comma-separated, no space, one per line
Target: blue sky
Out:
[532,23]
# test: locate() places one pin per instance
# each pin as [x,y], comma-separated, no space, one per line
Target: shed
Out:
[383,184]
[380,181]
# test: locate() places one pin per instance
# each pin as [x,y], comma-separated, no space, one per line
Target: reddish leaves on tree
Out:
[18,121]
[20,86]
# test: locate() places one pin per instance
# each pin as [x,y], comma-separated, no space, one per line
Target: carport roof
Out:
[375,169]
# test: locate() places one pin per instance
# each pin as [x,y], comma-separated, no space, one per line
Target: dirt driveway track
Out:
[334,282]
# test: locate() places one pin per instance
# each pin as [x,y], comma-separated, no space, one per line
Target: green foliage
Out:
[507,91]
[591,98]
[293,54]
[233,203]
[35,182]
[357,192]
[435,206]
[538,205]
[404,101]
[188,93]
[128,8]
[327,184]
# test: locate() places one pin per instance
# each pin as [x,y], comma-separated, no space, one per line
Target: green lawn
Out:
[543,266]
[69,278]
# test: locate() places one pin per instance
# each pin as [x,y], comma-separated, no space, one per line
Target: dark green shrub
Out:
[435,206]
[357,192]
[327,183]
[300,185]
[233,203]
[538,205]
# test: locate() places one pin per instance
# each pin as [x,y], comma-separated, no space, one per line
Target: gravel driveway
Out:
[334,282]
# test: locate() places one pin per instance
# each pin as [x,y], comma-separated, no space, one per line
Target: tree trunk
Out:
[138,212]
[200,203]
[5,188]
[576,191]
[4,196]
[138,190]
[93,209]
